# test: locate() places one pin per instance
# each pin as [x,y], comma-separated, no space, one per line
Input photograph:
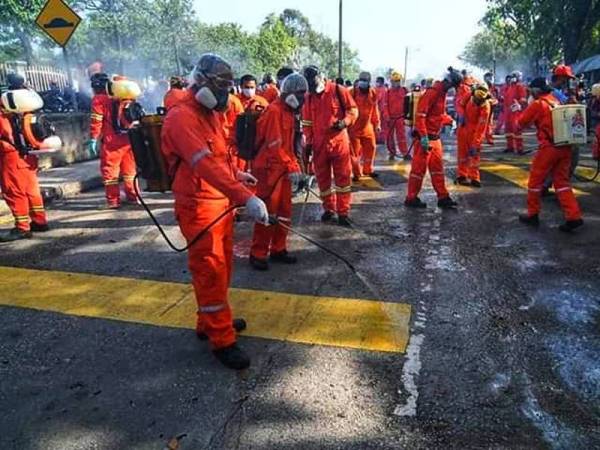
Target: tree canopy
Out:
[537,33]
[164,37]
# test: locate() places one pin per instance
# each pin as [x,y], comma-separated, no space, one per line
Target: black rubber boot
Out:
[533,221]
[39,227]
[283,257]
[462,181]
[233,357]
[328,216]
[508,150]
[344,221]
[392,158]
[570,225]
[407,158]
[15,235]
[373,175]
[259,264]
[415,203]
[238,325]
[355,179]
[475,183]
[447,203]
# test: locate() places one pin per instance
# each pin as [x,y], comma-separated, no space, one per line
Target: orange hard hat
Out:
[563,71]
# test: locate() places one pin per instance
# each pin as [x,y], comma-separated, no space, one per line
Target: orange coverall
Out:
[516,92]
[431,117]
[275,160]
[234,109]
[549,159]
[393,115]
[501,122]
[116,156]
[172,97]
[362,133]
[19,181]
[204,187]
[270,93]
[381,92]
[489,133]
[331,147]
[476,122]
[463,94]
[253,102]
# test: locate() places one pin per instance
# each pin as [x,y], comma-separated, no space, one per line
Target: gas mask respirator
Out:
[295,101]
[216,100]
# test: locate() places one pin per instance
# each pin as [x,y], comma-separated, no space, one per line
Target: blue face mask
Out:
[363,84]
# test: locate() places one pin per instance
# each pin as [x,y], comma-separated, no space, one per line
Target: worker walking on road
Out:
[431,117]
[363,133]
[205,187]
[328,112]
[477,114]
[394,117]
[463,95]
[549,159]
[277,170]
[116,156]
[18,175]
[515,100]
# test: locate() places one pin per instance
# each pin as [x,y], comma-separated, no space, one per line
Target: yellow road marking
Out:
[339,322]
[368,183]
[514,174]
[587,172]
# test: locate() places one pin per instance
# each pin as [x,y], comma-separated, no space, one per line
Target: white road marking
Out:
[410,372]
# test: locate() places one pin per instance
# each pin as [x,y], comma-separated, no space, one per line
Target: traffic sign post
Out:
[59,22]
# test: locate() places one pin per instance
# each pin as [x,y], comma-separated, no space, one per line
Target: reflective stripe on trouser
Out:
[473,163]
[462,152]
[21,190]
[115,162]
[558,162]
[423,161]
[210,263]
[397,135]
[273,238]
[366,145]
[334,158]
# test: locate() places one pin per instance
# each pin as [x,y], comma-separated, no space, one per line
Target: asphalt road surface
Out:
[464,329]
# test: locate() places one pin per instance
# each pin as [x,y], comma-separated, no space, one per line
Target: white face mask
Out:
[320,87]
[249,92]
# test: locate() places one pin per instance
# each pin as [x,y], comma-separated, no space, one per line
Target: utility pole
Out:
[340,47]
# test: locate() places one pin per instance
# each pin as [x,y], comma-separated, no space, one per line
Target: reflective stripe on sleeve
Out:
[198,156]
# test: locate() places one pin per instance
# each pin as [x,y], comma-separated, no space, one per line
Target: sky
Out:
[435,31]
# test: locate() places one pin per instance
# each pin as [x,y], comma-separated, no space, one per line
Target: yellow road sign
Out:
[58,21]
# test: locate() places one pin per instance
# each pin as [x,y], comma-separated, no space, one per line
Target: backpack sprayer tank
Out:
[145,143]
[569,125]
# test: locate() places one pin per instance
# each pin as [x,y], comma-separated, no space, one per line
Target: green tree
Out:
[17,24]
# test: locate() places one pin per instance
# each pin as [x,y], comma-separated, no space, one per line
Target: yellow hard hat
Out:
[596,90]
[396,76]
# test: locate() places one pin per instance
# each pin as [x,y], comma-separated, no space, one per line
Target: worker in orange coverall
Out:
[277,171]
[116,156]
[488,78]
[248,96]
[363,132]
[463,95]
[381,89]
[175,93]
[269,91]
[515,100]
[394,116]
[431,117]
[477,114]
[20,188]
[328,112]
[206,188]
[549,159]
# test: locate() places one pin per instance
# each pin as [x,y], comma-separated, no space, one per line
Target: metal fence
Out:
[36,76]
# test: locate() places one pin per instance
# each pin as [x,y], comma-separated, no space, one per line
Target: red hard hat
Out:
[563,71]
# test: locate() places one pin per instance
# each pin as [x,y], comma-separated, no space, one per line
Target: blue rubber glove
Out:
[472,152]
[425,143]
[92,147]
